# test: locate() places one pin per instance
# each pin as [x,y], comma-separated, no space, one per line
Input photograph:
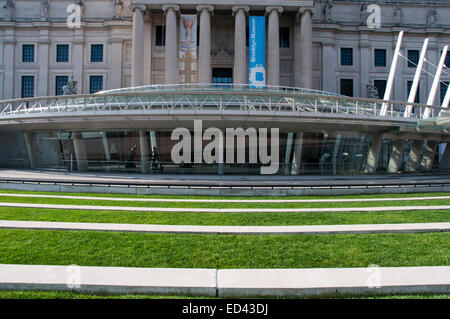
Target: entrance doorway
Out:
[222,76]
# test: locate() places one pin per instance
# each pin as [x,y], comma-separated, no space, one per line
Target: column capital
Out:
[237,8]
[270,9]
[302,10]
[141,7]
[207,7]
[166,7]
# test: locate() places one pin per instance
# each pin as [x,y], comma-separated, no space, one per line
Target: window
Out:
[347,87]
[61,80]
[284,37]
[28,53]
[346,56]
[62,53]
[380,57]
[222,75]
[417,99]
[381,87]
[413,57]
[27,86]
[160,35]
[95,83]
[97,53]
[444,87]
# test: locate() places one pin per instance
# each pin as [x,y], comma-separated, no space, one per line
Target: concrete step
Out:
[236,230]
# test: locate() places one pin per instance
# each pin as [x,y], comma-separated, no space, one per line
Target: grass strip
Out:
[222,252]
[228,197]
[75,295]
[63,201]
[228,219]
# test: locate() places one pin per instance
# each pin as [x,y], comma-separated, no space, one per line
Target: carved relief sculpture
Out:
[9,10]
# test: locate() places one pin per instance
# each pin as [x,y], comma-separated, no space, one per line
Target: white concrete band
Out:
[308,282]
[229,230]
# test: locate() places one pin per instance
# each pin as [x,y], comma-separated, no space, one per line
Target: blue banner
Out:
[257,43]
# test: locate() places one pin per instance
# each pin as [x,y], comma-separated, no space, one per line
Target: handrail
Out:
[257,93]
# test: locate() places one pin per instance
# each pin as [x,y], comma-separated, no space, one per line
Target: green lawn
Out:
[64,201]
[222,251]
[234,219]
[75,295]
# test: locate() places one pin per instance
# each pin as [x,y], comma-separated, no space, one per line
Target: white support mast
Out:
[435,86]
[390,83]
[415,85]
[446,101]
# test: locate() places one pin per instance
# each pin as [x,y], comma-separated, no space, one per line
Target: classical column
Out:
[240,49]
[297,67]
[329,62]
[137,62]
[9,44]
[396,159]
[374,154]
[273,46]
[171,53]
[414,156]
[116,63]
[306,46]
[43,49]
[428,155]
[204,50]
[78,60]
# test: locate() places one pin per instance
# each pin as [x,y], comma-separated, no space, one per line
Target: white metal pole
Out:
[390,83]
[434,87]
[446,101]
[415,85]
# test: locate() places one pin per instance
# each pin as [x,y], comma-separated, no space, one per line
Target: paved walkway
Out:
[225,210]
[179,200]
[229,282]
[268,180]
[230,230]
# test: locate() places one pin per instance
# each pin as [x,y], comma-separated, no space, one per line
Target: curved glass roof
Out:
[218,87]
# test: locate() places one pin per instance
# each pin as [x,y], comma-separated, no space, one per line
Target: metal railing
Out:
[209,97]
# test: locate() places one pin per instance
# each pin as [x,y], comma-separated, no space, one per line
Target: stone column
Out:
[414,156]
[240,50]
[306,46]
[428,155]
[171,52]
[42,59]
[77,59]
[80,151]
[374,155]
[297,67]
[9,43]
[204,49]
[273,46]
[137,60]
[396,160]
[329,62]
[116,64]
